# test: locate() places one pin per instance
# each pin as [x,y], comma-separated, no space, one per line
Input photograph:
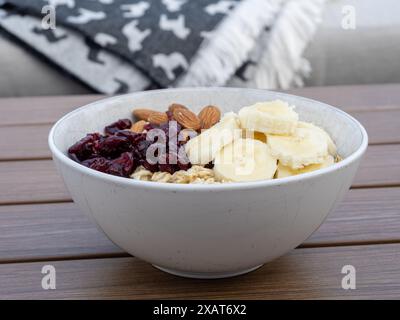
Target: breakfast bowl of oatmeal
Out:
[207,182]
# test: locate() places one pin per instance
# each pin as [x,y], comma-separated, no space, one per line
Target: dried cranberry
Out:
[170,115]
[122,166]
[141,148]
[183,161]
[133,137]
[184,166]
[99,164]
[167,168]
[149,166]
[74,157]
[84,148]
[209,165]
[113,146]
[165,165]
[171,127]
[150,126]
[164,127]
[121,124]
[121,150]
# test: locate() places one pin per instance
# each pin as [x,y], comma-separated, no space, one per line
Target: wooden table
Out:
[39,224]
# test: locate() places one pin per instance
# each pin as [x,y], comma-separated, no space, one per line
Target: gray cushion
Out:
[368,54]
[25,74]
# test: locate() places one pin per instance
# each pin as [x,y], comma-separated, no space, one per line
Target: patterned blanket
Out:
[118,46]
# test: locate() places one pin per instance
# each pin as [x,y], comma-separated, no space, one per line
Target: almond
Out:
[187,118]
[138,126]
[157,117]
[142,114]
[174,106]
[209,116]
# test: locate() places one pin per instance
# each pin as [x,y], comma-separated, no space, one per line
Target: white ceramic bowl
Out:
[207,231]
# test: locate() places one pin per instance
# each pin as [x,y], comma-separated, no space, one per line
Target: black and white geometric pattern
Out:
[157,36]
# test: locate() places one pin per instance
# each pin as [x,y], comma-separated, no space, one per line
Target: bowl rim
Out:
[57,153]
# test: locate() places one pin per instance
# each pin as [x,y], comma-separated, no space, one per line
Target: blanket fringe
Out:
[230,44]
[283,64]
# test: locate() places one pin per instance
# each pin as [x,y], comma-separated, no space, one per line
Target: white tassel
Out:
[283,65]
[230,44]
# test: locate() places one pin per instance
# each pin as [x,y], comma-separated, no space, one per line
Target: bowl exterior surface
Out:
[206,232]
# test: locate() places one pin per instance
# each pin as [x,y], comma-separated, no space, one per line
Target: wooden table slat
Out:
[380,167]
[365,216]
[40,110]
[24,142]
[382,127]
[48,231]
[302,274]
[31,181]
[355,97]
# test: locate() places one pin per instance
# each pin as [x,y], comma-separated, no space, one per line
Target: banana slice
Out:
[249,134]
[306,146]
[203,148]
[284,171]
[272,117]
[245,160]
[331,145]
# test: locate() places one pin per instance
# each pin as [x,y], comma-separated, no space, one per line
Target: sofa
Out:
[368,54]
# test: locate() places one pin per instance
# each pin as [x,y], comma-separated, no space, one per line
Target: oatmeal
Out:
[196,174]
